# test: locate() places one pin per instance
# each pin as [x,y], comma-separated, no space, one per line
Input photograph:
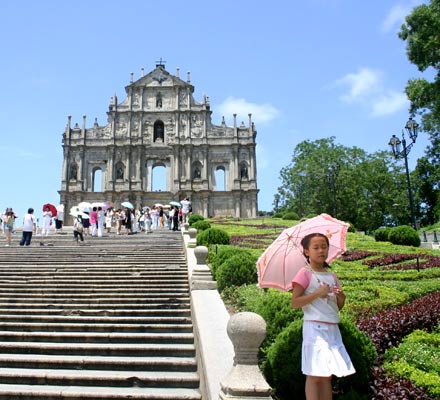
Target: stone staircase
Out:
[109,319]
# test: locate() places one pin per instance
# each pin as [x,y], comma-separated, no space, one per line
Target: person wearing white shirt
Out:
[186,209]
[29,227]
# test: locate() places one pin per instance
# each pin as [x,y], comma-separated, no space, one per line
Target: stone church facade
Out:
[160,124]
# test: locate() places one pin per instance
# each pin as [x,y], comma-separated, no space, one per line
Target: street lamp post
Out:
[401,150]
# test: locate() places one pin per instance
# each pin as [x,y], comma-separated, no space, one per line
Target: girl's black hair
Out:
[305,243]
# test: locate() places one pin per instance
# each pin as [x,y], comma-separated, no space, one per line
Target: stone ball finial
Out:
[192,232]
[201,252]
[247,331]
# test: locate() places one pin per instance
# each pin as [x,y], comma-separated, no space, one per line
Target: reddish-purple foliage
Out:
[385,388]
[256,241]
[388,259]
[387,328]
[425,261]
[356,255]
[394,262]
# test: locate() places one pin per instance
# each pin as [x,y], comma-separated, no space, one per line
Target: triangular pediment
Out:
[157,78]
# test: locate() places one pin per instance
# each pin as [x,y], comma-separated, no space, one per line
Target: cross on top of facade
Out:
[160,63]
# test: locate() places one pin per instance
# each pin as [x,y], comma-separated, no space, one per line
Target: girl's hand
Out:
[324,290]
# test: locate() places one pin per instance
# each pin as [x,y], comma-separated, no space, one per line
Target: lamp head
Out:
[412,128]
[395,144]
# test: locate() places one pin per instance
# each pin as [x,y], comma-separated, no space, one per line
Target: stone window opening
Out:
[158,136]
[220,179]
[97,180]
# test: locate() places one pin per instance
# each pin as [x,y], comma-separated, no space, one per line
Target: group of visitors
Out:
[96,221]
[8,221]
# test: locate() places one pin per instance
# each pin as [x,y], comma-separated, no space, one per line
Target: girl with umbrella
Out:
[318,292]
[47,220]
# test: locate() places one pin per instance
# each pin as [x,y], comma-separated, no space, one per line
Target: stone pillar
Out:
[192,232]
[201,278]
[246,330]
[205,166]
[141,99]
[252,169]
[236,168]
[188,164]
[149,176]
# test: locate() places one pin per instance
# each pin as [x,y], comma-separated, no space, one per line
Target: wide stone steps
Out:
[47,392]
[101,349]
[159,326]
[107,320]
[99,378]
[45,361]
[96,337]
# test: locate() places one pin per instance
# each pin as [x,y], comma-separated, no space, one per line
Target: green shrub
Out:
[382,234]
[282,367]
[404,235]
[201,225]
[221,255]
[273,305]
[212,236]
[236,271]
[291,216]
[193,218]
[278,214]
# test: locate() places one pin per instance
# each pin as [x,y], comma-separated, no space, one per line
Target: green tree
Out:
[421,31]
[344,182]
[426,177]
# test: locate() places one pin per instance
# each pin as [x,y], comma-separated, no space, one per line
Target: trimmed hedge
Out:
[236,271]
[212,236]
[201,225]
[382,234]
[291,216]
[221,254]
[193,218]
[404,235]
[282,367]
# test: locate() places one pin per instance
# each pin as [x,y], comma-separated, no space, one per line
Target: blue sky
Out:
[304,69]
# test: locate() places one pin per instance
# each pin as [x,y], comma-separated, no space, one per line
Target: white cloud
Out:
[360,85]
[366,88]
[241,107]
[396,16]
[389,103]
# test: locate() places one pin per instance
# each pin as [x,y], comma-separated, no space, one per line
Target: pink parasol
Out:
[281,261]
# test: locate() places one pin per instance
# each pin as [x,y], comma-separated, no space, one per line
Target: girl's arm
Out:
[299,299]
[339,293]
[340,297]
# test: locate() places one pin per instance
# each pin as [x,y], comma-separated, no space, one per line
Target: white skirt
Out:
[323,353]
